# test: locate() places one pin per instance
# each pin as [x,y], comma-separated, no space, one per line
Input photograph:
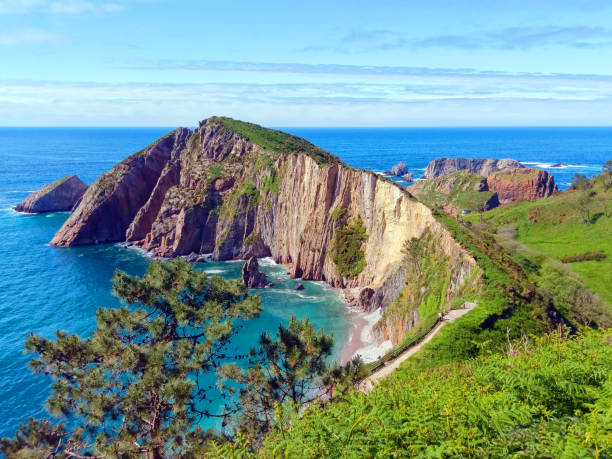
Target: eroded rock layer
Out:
[237,190]
[521,184]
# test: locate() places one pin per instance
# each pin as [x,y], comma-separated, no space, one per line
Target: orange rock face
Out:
[521,184]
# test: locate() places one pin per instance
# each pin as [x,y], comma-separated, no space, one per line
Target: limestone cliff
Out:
[236,190]
[521,184]
[484,167]
[61,195]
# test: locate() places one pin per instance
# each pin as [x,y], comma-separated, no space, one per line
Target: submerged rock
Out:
[559,165]
[298,286]
[399,169]
[252,276]
[484,167]
[61,195]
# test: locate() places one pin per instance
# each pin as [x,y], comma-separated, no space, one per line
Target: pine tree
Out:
[133,389]
[288,372]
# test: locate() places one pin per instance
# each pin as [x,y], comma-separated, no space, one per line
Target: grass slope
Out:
[460,189]
[276,141]
[554,227]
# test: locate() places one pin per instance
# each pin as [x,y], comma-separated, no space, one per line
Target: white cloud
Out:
[28,36]
[414,104]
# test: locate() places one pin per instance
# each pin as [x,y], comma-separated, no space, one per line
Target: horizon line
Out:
[441,126]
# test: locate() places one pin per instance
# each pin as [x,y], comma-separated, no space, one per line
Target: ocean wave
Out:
[214,271]
[550,165]
[140,251]
[267,261]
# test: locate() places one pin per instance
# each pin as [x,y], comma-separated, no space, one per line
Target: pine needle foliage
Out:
[133,388]
[286,373]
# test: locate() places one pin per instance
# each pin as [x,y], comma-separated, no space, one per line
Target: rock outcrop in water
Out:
[521,184]
[399,169]
[236,190]
[484,167]
[61,195]
[252,276]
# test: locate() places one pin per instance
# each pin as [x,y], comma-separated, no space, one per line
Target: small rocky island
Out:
[62,195]
[399,169]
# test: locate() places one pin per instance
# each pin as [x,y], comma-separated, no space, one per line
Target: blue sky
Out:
[308,63]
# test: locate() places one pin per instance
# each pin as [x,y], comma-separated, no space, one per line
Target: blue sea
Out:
[44,288]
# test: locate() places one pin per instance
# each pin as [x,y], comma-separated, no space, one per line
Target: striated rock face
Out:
[521,184]
[61,195]
[252,276]
[484,167]
[217,191]
[399,169]
[111,203]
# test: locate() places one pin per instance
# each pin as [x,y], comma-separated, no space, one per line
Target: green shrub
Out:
[551,399]
[347,251]
[338,214]
[596,255]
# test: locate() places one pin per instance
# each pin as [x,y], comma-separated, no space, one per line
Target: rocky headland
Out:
[462,189]
[484,167]
[59,196]
[235,190]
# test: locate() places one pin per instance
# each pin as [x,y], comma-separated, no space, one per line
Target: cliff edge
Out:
[236,190]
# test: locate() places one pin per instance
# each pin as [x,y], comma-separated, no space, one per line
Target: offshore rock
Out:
[252,276]
[299,286]
[61,195]
[484,167]
[521,184]
[408,177]
[236,190]
[399,169]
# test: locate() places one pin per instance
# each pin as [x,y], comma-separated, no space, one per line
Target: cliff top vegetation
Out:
[276,141]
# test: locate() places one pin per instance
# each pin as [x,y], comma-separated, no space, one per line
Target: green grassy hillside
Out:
[460,189]
[568,224]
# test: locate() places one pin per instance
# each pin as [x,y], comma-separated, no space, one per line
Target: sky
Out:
[306,63]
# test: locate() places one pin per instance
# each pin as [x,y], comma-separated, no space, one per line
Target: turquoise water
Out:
[44,288]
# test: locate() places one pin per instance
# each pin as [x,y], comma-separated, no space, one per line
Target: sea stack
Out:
[252,276]
[61,195]
[399,169]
